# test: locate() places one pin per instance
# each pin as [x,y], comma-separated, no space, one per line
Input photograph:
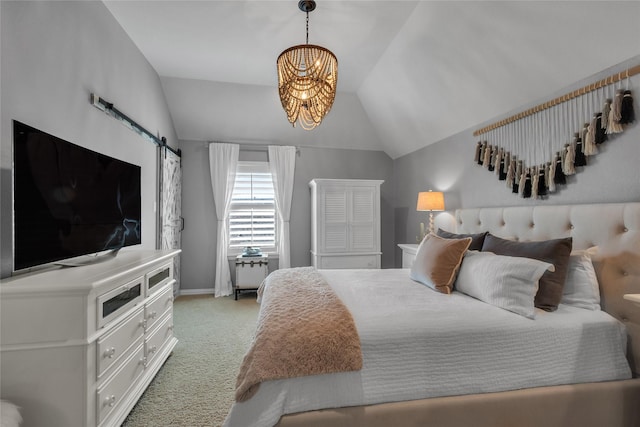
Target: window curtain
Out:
[282,163]
[223,162]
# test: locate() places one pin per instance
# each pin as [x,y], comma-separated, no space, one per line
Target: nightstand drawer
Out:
[123,336]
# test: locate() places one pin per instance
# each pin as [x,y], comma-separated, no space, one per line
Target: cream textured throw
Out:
[303,329]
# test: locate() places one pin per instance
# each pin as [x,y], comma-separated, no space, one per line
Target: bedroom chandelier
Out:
[307,79]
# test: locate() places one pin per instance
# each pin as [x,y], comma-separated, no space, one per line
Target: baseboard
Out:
[206,291]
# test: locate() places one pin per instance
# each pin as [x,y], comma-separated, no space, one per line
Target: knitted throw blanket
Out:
[303,329]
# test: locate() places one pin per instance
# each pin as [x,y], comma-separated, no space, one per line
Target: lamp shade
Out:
[430,201]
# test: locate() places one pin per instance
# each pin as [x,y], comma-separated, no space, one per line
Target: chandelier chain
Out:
[307,27]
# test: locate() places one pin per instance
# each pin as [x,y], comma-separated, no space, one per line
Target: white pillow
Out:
[581,287]
[504,281]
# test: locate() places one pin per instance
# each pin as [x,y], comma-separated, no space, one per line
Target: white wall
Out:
[613,175]
[54,55]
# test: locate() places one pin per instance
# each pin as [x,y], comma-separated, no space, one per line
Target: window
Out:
[252,220]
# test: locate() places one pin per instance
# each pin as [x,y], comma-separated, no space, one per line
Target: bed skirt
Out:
[611,404]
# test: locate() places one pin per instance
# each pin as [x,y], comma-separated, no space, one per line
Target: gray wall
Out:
[54,55]
[613,175]
[199,236]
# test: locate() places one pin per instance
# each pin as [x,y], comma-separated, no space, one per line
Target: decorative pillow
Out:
[437,262]
[581,288]
[476,239]
[507,282]
[555,252]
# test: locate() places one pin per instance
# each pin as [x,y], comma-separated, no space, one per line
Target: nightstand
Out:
[408,253]
[634,298]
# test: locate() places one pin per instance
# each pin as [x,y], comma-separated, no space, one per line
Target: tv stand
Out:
[80,345]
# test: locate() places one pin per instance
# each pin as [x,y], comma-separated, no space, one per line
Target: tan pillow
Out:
[437,262]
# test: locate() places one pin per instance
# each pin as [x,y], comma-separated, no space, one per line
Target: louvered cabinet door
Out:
[334,227]
[345,223]
[363,230]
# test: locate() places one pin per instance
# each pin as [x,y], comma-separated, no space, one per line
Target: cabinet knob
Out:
[110,352]
[152,315]
[143,361]
[110,400]
[170,327]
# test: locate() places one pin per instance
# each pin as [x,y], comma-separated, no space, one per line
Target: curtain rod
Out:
[614,78]
[248,146]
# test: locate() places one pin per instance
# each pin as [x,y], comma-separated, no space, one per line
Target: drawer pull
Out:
[152,315]
[170,327]
[110,352]
[110,400]
[153,349]
[143,362]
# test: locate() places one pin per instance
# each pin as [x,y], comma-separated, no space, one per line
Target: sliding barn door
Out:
[170,200]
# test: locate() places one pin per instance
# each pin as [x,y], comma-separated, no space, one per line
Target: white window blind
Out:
[252,220]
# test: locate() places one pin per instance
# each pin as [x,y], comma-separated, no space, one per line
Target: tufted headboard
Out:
[614,228]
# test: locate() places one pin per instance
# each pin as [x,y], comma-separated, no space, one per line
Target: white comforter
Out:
[418,343]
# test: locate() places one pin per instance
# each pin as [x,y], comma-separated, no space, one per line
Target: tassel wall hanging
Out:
[534,151]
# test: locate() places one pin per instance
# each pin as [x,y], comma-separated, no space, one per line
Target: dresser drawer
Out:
[154,280]
[348,261]
[115,389]
[155,308]
[157,338]
[122,337]
[117,301]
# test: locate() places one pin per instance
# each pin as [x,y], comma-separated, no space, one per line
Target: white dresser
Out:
[345,223]
[80,345]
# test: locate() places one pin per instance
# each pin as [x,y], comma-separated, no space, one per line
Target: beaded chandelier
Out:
[307,79]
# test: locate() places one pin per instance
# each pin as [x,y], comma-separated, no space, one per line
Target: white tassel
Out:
[510,174]
[569,168]
[590,147]
[606,109]
[535,180]
[614,125]
[487,157]
[552,175]
[523,180]
[497,161]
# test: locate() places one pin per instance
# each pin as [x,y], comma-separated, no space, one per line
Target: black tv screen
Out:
[69,200]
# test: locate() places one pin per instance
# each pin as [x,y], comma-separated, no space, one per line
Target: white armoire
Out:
[345,223]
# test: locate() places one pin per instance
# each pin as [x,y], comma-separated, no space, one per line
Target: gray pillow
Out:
[476,239]
[556,252]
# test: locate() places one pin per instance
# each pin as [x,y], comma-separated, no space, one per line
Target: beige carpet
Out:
[196,385]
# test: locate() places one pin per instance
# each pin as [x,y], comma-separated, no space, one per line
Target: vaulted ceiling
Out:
[410,72]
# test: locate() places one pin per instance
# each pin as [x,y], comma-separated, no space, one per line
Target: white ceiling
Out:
[410,72]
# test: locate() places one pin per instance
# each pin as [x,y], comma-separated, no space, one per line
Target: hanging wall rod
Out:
[564,98]
[108,108]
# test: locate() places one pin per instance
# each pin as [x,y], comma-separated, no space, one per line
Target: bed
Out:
[571,366]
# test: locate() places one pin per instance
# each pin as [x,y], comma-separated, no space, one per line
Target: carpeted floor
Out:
[195,387]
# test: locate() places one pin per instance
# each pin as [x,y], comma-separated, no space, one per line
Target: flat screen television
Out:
[69,201]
